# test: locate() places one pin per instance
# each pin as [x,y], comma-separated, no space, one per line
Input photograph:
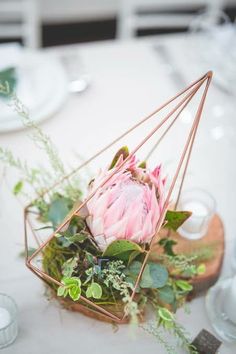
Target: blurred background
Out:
[95,68]
[46,23]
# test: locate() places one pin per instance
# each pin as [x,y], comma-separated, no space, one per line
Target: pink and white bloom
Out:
[128,206]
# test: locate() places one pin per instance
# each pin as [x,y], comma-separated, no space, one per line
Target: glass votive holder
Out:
[233,262]
[221,308]
[8,320]
[202,206]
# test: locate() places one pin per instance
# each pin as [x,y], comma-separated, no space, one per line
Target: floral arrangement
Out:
[100,253]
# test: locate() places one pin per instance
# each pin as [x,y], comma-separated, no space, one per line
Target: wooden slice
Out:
[214,242]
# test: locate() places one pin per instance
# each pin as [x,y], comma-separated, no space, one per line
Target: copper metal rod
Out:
[121,165]
[187,150]
[190,138]
[120,137]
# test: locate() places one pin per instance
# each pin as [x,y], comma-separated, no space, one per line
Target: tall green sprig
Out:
[39,178]
[152,328]
[114,277]
[42,140]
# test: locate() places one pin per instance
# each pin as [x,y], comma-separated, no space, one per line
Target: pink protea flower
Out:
[128,206]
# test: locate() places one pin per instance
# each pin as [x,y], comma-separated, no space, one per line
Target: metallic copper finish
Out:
[182,164]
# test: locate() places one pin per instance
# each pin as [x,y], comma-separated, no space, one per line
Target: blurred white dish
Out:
[41,87]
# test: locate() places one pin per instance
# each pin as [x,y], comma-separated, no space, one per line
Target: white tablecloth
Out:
[128,81]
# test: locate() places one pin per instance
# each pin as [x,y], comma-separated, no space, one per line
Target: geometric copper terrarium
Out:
[164,119]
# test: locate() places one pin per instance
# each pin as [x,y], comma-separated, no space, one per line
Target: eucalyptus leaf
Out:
[174,219]
[146,279]
[166,294]
[134,268]
[132,273]
[154,275]
[159,275]
[58,210]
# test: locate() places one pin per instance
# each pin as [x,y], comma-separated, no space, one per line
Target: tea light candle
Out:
[195,223]
[230,303]
[5,318]
[201,204]
[197,208]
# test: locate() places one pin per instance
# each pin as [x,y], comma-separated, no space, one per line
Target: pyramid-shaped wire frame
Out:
[189,92]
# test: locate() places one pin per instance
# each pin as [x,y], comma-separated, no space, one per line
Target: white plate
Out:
[42,87]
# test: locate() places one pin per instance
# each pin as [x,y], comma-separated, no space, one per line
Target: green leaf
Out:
[73,281]
[89,292]
[69,266]
[75,292]
[58,210]
[165,314]
[89,258]
[132,256]
[184,285]
[159,275]
[80,237]
[94,290]
[121,246]
[61,290]
[71,286]
[168,244]
[154,275]
[175,219]
[134,268]
[146,279]
[18,187]
[132,272]
[8,75]
[72,239]
[201,269]
[166,294]
[143,165]
[123,151]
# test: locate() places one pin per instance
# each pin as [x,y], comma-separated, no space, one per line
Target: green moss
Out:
[53,258]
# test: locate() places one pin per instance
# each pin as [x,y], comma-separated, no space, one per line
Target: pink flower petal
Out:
[115,212]
[117,229]
[95,225]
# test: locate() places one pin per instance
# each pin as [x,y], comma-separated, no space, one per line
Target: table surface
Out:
[128,80]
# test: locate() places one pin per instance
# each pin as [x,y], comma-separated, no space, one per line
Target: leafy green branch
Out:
[113,276]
